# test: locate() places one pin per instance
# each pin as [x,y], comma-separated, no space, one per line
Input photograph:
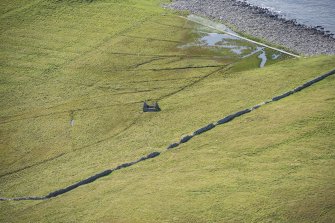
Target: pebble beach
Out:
[262,24]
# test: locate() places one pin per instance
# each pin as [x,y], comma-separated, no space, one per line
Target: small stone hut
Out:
[151,108]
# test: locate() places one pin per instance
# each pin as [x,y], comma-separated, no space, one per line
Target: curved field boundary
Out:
[173,145]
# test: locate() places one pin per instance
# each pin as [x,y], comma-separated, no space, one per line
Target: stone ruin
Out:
[151,108]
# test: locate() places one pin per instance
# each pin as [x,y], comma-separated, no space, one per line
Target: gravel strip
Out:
[262,23]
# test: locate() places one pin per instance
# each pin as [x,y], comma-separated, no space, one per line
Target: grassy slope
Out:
[56,66]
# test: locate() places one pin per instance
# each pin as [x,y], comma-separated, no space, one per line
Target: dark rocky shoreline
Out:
[264,24]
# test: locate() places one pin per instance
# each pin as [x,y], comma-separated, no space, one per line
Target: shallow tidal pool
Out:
[206,35]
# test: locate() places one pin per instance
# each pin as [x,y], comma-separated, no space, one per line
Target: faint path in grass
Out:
[20,9]
[57,67]
[32,165]
[224,67]
[109,138]
[74,149]
[153,39]
[98,46]
[295,138]
[20,117]
[62,112]
[184,68]
[170,79]
[183,140]
[169,68]
[85,181]
[173,26]
[170,55]
[134,66]
[33,3]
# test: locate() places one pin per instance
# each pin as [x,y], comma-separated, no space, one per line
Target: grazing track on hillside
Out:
[226,67]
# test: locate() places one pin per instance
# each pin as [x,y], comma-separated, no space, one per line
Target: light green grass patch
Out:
[96,62]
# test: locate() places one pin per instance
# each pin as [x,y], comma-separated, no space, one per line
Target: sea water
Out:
[307,12]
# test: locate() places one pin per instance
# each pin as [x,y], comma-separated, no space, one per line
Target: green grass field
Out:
[95,62]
